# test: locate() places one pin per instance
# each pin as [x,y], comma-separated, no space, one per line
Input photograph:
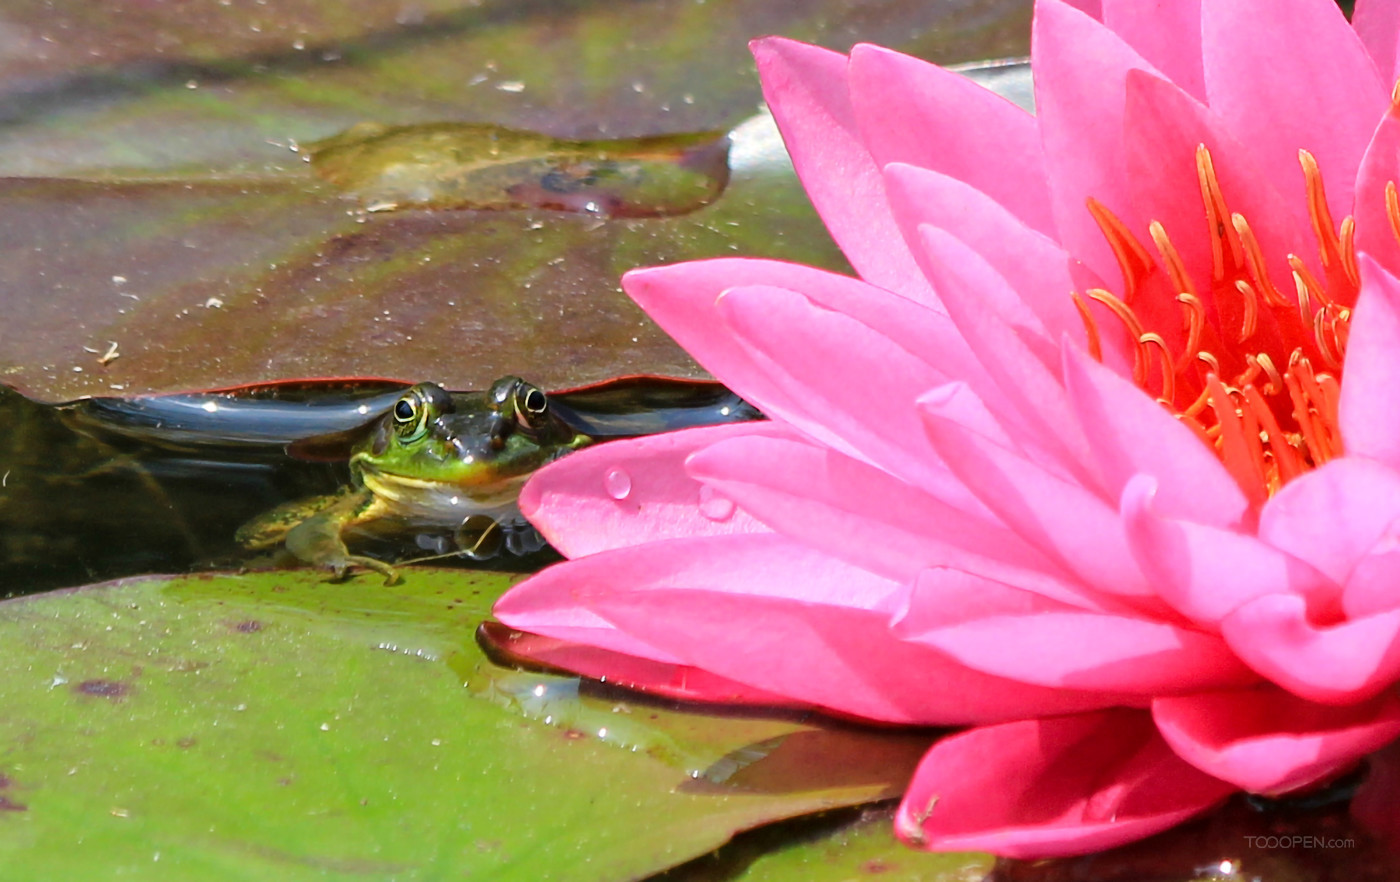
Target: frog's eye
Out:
[531,405]
[411,414]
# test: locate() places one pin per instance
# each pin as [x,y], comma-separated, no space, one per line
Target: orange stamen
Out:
[1091,328]
[1131,256]
[1268,423]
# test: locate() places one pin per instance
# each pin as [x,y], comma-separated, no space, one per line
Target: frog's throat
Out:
[404,494]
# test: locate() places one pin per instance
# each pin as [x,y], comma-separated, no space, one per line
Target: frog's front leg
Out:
[310,529]
[317,540]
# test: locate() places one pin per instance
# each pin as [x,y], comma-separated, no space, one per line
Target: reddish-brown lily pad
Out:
[166,238]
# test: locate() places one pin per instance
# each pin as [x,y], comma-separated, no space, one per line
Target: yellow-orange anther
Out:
[1237,357]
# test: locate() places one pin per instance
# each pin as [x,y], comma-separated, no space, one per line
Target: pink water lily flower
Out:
[1099,455]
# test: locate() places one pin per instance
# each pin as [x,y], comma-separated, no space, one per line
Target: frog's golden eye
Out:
[411,416]
[531,405]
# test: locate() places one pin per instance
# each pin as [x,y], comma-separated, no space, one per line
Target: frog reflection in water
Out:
[433,466]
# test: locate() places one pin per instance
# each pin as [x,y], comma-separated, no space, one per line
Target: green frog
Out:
[443,468]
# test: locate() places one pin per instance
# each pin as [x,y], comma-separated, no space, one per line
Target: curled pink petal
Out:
[1374,585]
[1267,741]
[1052,787]
[630,492]
[1205,573]
[1333,515]
[1338,664]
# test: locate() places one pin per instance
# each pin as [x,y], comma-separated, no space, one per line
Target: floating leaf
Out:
[276,726]
[461,165]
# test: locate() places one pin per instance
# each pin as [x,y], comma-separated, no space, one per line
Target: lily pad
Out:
[276,726]
[168,235]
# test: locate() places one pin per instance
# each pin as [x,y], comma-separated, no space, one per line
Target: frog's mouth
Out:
[426,499]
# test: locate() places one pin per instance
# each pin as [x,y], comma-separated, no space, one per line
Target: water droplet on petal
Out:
[713,505]
[618,483]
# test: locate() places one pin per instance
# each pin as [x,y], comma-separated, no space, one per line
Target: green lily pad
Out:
[277,726]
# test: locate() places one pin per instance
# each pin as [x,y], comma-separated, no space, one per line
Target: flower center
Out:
[1253,371]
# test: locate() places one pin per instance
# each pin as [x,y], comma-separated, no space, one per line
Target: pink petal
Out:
[832,657]
[1069,523]
[630,492]
[1335,97]
[552,603]
[1035,267]
[822,371]
[1374,586]
[1166,34]
[682,300]
[1379,166]
[1045,788]
[1267,741]
[1341,664]
[1370,402]
[942,597]
[1377,23]
[1080,70]
[1332,516]
[1205,572]
[1092,651]
[676,682]
[783,618]
[1035,397]
[951,125]
[1133,434]
[1089,7]
[806,89]
[858,513]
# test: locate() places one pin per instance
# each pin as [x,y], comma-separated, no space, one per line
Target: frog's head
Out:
[482,447]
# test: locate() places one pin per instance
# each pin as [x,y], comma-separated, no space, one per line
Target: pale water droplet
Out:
[618,483]
[713,505]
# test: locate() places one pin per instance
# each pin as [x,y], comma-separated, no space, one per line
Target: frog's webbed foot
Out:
[341,568]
